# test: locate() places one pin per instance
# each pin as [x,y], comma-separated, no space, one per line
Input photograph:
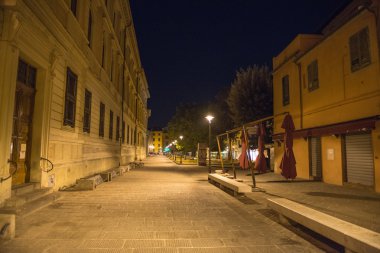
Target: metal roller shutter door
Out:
[359,158]
[316,161]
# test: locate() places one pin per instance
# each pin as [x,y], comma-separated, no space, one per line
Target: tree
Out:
[251,95]
[189,122]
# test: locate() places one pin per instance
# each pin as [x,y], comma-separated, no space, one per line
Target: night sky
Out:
[191,49]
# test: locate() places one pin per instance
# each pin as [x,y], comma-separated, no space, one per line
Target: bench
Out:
[353,237]
[124,169]
[136,165]
[89,183]
[236,187]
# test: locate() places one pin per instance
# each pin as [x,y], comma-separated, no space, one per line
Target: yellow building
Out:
[72,90]
[157,141]
[330,85]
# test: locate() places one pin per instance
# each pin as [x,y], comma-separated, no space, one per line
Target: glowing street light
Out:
[209,118]
[181,137]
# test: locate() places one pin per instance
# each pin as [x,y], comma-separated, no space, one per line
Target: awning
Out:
[361,125]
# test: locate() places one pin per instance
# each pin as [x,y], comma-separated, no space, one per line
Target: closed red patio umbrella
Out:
[260,163]
[288,162]
[243,158]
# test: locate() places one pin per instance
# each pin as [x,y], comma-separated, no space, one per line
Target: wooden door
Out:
[22,122]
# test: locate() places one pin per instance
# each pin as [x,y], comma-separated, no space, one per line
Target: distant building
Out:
[72,90]
[165,138]
[330,84]
[156,140]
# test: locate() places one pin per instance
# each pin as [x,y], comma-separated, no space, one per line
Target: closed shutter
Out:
[315,157]
[359,159]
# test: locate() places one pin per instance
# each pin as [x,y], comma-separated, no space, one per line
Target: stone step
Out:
[32,206]
[37,204]
[21,199]
[24,188]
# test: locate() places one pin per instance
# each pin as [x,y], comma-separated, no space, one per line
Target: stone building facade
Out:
[73,93]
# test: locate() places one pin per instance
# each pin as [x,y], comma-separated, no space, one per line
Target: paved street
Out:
[162,207]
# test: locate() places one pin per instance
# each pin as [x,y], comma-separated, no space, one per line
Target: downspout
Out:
[377,21]
[300,94]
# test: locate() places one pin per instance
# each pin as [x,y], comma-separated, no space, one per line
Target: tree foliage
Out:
[189,122]
[251,95]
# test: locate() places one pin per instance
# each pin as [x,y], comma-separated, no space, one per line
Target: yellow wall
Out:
[332,171]
[278,151]
[301,153]
[342,95]
[157,143]
[49,37]
[376,154]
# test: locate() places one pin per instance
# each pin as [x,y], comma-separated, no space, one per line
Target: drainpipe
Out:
[377,20]
[300,94]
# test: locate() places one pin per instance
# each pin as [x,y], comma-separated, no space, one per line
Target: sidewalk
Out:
[353,204]
[160,208]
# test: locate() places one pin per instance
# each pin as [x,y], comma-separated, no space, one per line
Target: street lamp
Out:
[180,160]
[209,118]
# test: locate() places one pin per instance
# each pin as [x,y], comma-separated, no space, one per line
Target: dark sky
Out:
[191,49]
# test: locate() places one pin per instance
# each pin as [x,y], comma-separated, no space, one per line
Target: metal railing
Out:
[46,165]
[12,171]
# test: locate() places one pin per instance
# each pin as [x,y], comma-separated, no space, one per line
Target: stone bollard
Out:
[7,226]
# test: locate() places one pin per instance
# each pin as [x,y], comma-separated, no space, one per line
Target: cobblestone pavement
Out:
[159,208]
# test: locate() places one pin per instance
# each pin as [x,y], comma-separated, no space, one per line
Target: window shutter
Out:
[364,46]
[285,90]
[354,52]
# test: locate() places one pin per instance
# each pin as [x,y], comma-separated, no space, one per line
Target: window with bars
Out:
[70,98]
[117,128]
[87,111]
[73,7]
[123,132]
[127,134]
[89,28]
[359,49]
[26,74]
[285,90]
[101,119]
[312,75]
[111,125]
[103,53]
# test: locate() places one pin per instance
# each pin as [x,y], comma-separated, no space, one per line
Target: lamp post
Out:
[180,160]
[209,118]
